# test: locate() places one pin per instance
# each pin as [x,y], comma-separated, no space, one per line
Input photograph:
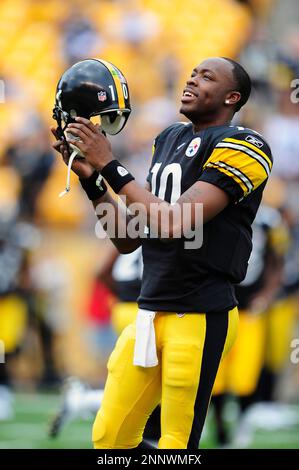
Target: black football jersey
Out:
[127,274]
[237,160]
[270,236]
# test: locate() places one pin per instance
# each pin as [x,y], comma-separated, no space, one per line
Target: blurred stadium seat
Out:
[31,39]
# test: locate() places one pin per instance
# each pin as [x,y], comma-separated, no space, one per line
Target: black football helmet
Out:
[89,88]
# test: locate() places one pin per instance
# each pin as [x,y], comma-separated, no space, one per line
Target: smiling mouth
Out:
[188,96]
[189,93]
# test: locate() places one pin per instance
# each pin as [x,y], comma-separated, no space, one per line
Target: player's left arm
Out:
[97,150]
[210,191]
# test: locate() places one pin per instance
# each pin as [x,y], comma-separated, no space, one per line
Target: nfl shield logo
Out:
[102,96]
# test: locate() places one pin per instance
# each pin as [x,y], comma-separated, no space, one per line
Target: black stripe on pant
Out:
[216,332]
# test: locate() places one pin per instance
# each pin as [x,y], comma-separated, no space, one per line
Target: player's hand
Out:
[93,144]
[259,304]
[80,166]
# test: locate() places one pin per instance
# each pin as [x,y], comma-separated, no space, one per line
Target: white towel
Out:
[145,352]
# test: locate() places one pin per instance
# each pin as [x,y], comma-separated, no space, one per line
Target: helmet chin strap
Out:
[74,154]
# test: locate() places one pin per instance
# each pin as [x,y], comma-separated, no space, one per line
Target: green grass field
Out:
[33,412]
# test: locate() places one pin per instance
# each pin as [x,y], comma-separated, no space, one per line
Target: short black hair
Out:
[243,82]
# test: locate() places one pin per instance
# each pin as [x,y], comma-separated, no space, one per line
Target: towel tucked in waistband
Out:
[145,352]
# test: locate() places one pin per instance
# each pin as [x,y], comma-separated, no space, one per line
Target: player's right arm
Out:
[118,226]
[121,218]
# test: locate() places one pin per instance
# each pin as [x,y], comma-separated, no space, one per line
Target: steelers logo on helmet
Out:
[89,88]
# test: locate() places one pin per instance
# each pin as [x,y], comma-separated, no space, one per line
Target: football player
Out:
[188,316]
[281,317]
[256,294]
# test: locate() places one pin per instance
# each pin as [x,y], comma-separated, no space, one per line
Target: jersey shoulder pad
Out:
[246,136]
[243,157]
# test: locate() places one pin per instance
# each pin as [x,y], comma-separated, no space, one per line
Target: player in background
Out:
[281,316]
[272,406]
[239,372]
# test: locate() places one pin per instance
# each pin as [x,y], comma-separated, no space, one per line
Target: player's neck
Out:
[205,123]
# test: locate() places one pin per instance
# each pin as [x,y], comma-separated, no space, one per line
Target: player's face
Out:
[207,89]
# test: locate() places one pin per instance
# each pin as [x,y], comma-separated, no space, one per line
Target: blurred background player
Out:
[239,372]
[270,406]
[25,300]
[281,315]
[14,299]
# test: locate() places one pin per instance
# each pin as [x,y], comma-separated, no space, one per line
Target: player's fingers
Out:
[81,127]
[73,131]
[54,132]
[87,123]
[57,145]
[99,130]
[65,154]
[77,143]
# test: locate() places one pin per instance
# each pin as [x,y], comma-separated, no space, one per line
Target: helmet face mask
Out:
[89,88]
[113,122]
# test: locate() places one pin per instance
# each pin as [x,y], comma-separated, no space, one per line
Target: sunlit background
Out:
[51,321]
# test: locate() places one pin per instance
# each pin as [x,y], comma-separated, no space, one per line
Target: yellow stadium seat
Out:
[30,42]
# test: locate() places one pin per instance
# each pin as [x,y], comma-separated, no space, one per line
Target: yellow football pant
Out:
[281,320]
[240,370]
[122,314]
[189,349]
[13,320]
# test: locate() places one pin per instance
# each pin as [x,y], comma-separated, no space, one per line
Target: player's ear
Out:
[232,98]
